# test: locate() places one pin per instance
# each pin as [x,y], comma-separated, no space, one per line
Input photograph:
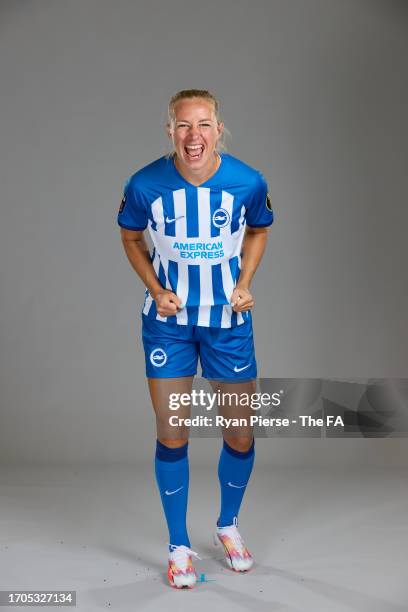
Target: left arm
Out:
[253,248]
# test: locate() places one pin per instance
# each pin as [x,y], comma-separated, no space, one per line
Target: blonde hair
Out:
[206,95]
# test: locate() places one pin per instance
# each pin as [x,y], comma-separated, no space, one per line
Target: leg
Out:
[171,363]
[228,360]
[171,460]
[234,469]
[239,438]
[160,390]
[237,454]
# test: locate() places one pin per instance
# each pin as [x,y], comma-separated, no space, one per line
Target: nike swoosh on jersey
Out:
[172,492]
[240,369]
[236,486]
[167,220]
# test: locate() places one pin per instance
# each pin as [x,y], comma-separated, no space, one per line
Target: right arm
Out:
[137,253]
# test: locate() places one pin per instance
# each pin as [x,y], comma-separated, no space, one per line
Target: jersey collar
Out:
[208,182]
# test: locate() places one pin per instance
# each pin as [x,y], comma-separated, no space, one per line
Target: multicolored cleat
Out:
[181,572]
[237,555]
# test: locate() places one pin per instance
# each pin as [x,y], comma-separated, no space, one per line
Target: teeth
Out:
[194,146]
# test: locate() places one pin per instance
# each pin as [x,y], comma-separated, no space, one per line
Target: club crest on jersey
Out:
[158,357]
[268,202]
[122,204]
[221,218]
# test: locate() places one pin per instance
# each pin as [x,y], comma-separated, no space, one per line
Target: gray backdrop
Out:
[315,95]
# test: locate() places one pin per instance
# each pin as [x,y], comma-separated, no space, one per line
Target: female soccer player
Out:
[207,214]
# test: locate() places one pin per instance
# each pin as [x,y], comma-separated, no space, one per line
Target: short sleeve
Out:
[259,211]
[132,213]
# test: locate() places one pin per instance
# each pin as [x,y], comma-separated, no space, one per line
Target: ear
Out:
[220,128]
[169,130]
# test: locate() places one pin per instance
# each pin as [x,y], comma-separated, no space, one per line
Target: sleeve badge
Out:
[122,204]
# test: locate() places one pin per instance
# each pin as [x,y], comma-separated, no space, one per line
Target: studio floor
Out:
[323,540]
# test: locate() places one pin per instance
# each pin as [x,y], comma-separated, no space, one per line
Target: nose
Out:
[194,130]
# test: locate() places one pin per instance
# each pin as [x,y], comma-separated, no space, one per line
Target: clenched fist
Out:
[167,303]
[241,299]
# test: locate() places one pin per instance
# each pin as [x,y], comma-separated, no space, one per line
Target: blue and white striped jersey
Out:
[197,234]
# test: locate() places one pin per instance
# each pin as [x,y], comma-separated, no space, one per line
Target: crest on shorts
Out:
[268,202]
[122,204]
[158,357]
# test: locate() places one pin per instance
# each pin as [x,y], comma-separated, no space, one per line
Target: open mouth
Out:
[194,152]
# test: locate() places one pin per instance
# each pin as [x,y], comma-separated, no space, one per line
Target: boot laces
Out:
[181,554]
[232,532]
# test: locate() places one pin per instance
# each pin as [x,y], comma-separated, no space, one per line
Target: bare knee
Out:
[173,443]
[239,443]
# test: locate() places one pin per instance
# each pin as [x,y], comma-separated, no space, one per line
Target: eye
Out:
[204,124]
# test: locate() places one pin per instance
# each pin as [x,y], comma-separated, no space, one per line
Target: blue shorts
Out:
[172,350]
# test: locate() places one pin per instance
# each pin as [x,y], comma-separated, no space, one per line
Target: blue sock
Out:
[172,475]
[234,470]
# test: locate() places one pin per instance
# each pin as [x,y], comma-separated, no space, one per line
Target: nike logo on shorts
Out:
[172,492]
[240,369]
[236,486]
